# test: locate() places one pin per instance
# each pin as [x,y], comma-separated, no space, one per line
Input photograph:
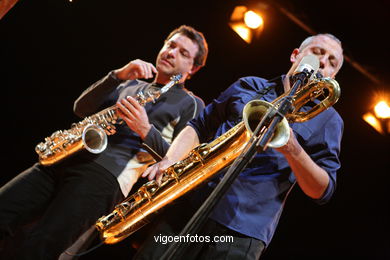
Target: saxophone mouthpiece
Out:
[319,75]
[176,78]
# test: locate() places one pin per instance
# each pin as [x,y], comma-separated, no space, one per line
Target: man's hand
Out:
[156,171]
[136,69]
[312,179]
[292,147]
[134,115]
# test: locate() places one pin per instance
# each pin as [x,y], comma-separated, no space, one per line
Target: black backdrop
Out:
[52,50]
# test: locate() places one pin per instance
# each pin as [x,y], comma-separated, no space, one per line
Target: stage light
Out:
[247,22]
[243,32]
[379,118]
[382,109]
[253,20]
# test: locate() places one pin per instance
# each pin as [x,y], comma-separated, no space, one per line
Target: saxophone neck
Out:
[152,93]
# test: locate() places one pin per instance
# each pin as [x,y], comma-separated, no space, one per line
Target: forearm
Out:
[183,144]
[155,144]
[93,97]
[312,179]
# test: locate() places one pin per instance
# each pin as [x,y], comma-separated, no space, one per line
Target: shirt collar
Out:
[277,82]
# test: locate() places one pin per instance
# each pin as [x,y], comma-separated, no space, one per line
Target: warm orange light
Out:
[246,23]
[382,110]
[253,20]
[238,13]
[373,121]
[243,32]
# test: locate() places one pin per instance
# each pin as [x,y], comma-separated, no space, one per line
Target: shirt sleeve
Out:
[158,146]
[326,152]
[227,108]
[189,114]
[94,97]
[155,144]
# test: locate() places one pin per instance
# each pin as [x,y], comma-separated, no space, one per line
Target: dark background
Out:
[50,51]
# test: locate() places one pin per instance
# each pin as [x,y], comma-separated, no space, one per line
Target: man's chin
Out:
[165,68]
[168,72]
[165,64]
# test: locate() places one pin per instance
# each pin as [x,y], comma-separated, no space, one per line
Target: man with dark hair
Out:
[201,55]
[68,197]
[250,210]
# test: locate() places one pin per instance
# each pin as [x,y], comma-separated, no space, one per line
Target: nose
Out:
[172,52]
[323,59]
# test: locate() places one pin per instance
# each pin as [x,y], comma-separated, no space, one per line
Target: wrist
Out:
[293,152]
[115,74]
[145,131]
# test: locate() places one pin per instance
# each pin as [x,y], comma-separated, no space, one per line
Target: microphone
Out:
[308,67]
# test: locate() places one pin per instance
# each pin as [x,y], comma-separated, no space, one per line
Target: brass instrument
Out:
[91,133]
[207,159]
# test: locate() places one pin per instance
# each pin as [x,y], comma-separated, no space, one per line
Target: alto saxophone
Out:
[207,159]
[91,133]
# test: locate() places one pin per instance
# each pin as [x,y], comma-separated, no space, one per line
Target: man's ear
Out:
[194,69]
[294,54]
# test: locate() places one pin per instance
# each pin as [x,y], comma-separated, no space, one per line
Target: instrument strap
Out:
[265,90]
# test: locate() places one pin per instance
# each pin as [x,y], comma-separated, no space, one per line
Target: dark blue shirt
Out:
[254,203]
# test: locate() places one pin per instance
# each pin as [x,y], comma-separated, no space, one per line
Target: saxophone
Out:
[207,159]
[91,133]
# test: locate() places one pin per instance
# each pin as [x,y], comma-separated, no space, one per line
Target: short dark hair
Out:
[198,38]
[309,39]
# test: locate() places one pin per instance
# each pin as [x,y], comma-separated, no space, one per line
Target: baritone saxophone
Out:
[207,159]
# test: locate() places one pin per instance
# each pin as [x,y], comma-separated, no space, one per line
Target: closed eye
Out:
[185,53]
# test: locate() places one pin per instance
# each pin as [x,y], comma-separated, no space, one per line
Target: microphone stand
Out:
[284,108]
[259,140]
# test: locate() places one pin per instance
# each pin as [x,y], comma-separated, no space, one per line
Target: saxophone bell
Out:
[253,113]
[94,139]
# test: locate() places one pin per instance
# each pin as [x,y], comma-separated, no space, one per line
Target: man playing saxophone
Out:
[251,208]
[68,197]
